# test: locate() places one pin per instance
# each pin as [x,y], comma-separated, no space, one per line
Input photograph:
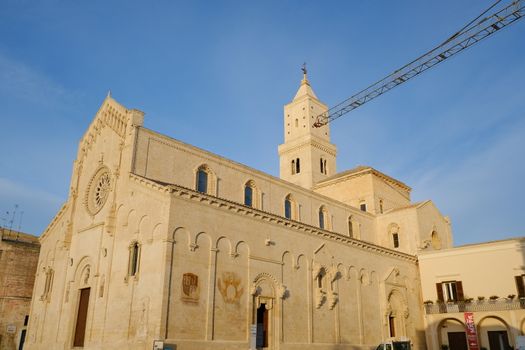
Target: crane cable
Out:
[464,29]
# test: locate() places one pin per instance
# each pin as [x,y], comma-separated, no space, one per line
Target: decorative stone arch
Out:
[211,183]
[440,326]
[396,313]
[504,324]
[268,291]
[235,250]
[82,279]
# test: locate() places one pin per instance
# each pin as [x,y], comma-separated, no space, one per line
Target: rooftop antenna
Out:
[12,219]
[20,221]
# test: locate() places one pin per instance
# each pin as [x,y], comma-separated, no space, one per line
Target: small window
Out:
[325,169]
[134,254]
[248,196]
[202,181]
[381,206]
[297,166]
[362,206]
[395,239]
[321,218]
[350,227]
[321,165]
[520,285]
[289,207]
[293,167]
[296,122]
[26,320]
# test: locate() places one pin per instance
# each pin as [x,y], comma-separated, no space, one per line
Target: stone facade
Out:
[18,262]
[485,280]
[161,240]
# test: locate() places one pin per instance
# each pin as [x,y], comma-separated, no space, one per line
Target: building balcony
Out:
[475,305]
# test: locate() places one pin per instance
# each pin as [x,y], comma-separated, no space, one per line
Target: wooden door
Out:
[457,341]
[80,328]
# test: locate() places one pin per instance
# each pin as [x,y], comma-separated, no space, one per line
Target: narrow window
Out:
[324,166]
[350,227]
[321,164]
[248,195]
[296,122]
[395,238]
[381,206]
[321,218]
[362,206]
[293,167]
[520,286]
[202,181]
[134,259]
[297,166]
[288,208]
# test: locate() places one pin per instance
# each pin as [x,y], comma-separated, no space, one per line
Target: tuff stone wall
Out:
[18,262]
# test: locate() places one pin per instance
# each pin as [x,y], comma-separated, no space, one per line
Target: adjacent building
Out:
[474,293]
[18,262]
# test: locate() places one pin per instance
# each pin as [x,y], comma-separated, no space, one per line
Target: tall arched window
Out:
[393,228]
[250,194]
[350,227]
[289,207]
[202,180]
[324,220]
[297,166]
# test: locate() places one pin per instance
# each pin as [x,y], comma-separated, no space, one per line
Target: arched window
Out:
[393,229]
[205,180]
[293,166]
[297,166]
[322,164]
[350,227]
[250,194]
[381,206]
[323,218]
[202,180]
[289,207]
[395,239]
[134,255]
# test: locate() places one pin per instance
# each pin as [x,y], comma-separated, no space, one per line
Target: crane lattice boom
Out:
[457,43]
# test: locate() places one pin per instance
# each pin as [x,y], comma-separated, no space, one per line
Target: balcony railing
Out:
[475,305]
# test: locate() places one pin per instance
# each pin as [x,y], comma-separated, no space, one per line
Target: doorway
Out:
[261,341]
[457,341]
[80,328]
[392,325]
[498,340]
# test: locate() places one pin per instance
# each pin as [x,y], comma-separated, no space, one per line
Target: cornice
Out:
[53,222]
[227,205]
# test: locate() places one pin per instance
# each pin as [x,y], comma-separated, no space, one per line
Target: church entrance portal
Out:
[80,328]
[262,327]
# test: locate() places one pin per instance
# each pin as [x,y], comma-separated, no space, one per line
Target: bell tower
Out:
[306,156]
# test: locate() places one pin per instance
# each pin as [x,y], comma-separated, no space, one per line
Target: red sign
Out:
[472,335]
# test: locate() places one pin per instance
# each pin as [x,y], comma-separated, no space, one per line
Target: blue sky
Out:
[216,74]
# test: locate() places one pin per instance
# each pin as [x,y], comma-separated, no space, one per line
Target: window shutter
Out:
[439,290]
[520,286]
[459,290]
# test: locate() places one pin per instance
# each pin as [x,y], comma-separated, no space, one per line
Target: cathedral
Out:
[163,245]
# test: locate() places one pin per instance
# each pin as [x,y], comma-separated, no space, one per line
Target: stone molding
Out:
[190,194]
